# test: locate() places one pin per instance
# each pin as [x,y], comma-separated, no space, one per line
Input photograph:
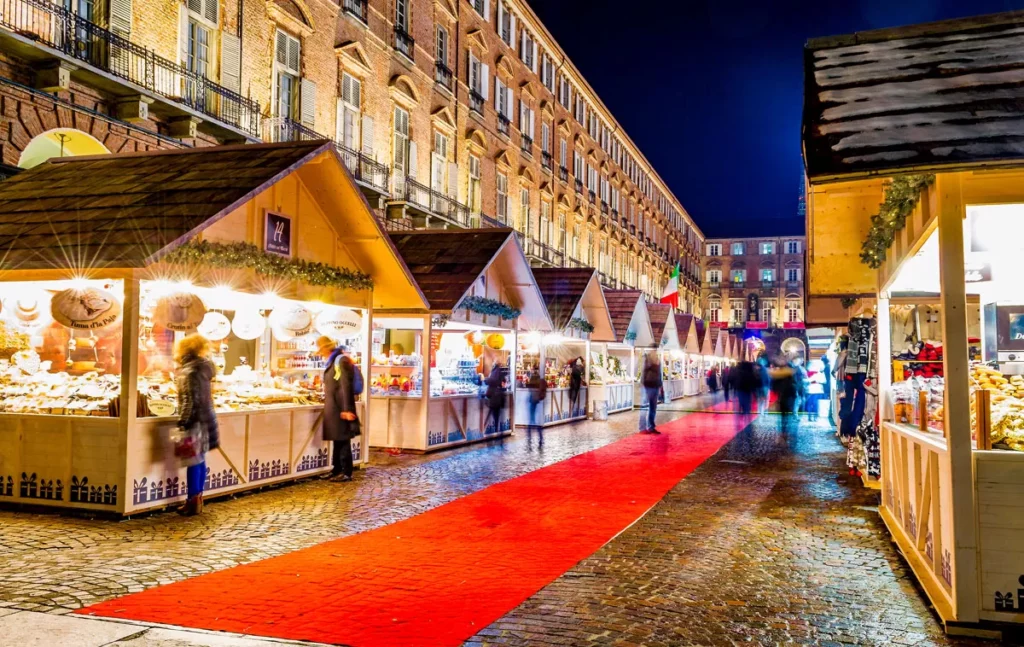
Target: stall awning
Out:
[659,314]
[628,310]
[124,212]
[718,341]
[703,338]
[940,96]
[450,264]
[571,290]
[687,332]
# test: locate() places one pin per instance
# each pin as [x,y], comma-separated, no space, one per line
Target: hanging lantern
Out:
[248,324]
[496,341]
[215,326]
[339,323]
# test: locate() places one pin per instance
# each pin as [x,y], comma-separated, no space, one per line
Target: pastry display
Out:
[40,391]
[1006,405]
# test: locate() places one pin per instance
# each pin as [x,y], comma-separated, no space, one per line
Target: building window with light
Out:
[768,311]
[767,276]
[737,249]
[714,310]
[502,198]
[793,247]
[793,310]
[767,249]
[738,277]
[714,249]
[737,311]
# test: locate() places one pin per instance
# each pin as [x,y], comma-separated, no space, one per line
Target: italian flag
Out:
[671,295]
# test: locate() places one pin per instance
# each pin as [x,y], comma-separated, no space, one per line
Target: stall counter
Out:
[620,397]
[557,406]
[452,420]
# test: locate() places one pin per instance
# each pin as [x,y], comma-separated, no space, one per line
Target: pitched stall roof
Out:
[658,313]
[446,263]
[623,305]
[687,332]
[703,339]
[945,95]
[568,290]
[122,211]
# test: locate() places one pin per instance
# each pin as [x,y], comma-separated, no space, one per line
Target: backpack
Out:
[357,375]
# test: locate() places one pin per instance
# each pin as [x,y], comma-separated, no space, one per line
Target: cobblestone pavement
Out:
[768,542]
[57,564]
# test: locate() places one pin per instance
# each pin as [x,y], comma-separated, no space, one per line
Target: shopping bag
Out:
[185,442]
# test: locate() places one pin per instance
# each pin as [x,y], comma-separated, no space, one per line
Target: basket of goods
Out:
[11,342]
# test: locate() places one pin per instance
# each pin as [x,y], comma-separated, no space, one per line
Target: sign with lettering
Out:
[719,324]
[757,325]
[792,324]
[277,237]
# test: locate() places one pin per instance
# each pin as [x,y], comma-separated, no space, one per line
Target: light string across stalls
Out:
[248,256]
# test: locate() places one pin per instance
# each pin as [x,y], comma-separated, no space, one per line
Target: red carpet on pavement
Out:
[440,577]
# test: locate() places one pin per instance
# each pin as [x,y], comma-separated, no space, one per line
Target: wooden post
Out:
[364,445]
[129,397]
[957,415]
[428,329]
[983,418]
[922,410]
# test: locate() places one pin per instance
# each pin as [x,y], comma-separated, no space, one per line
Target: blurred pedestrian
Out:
[783,384]
[652,381]
[726,381]
[538,388]
[341,424]
[815,392]
[712,381]
[575,384]
[764,383]
[747,385]
[197,421]
[495,395]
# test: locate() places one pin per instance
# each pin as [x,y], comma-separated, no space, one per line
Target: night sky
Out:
[712,91]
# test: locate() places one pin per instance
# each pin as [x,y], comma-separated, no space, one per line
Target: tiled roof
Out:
[445,263]
[702,331]
[658,313]
[562,289]
[683,322]
[621,306]
[942,95]
[122,211]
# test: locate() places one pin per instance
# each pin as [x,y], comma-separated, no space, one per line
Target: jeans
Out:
[652,405]
[495,413]
[746,401]
[342,457]
[195,479]
[853,404]
[536,413]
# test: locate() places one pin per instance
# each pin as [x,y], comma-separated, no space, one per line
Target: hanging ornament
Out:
[179,311]
[291,321]
[248,324]
[214,326]
[339,323]
[85,309]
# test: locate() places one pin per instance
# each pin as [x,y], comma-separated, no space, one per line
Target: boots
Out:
[192,506]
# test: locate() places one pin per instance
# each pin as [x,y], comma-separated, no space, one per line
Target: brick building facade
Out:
[450,113]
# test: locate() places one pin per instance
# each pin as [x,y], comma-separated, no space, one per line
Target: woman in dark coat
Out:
[196,417]
[575,384]
[340,422]
[495,396]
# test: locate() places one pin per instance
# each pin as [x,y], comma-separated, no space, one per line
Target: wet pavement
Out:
[768,542]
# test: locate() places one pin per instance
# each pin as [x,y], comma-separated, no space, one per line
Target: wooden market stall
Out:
[707,356]
[429,364]
[689,351]
[110,259]
[663,328]
[949,452]
[579,316]
[633,337]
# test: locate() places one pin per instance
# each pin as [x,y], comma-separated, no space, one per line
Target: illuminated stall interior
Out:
[633,337]
[687,365]
[430,365]
[230,243]
[579,315]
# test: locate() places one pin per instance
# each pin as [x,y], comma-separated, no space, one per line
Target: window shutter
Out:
[293,54]
[368,135]
[231,62]
[121,16]
[512,29]
[499,94]
[281,48]
[413,160]
[534,60]
[307,102]
[453,180]
[487,8]
[339,121]
[485,83]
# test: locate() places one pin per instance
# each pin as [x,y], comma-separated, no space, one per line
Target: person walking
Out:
[575,384]
[652,381]
[726,381]
[712,381]
[764,383]
[783,384]
[746,382]
[197,421]
[495,395]
[538,387]
[341,424]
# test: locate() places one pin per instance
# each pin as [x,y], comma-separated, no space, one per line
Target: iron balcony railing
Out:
[365,169]
[563,174]
[283,129]
[543,252]
[476,102]
[604,207]
[592,195]
[487,221]
[404,43]
[768,284]
[443,75]
[615,217]
[632,230]
[526,143]
[503,124]
[579,186]
[792,284]
[56,27]
[737,284]
[392,224]
[437,202]
[356,8]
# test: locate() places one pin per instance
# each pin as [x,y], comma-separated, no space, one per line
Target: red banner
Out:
[758,325]
[793,324]
[719,324]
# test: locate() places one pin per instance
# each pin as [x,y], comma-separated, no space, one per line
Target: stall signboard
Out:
[757,325]
[339,323]
[85,309]
[179,311]
[791,325]
[278,234]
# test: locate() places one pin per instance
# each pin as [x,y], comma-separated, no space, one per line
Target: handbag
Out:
[185,445]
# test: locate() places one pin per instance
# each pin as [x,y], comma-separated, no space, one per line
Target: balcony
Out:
[736,285]
[794,284]
[592,196]
[443,76]
[563,174]
[356,9]
[615,217]
[366,171]
[476,102]
[42,32]
[542,252]
[604,207]
[503,124]
[428,204]
[404,43]
[526,144]
[487,221]
[632,230]
[546,161]
[282,129]
[579,186]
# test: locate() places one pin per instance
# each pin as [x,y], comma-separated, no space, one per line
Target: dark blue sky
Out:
[711,91]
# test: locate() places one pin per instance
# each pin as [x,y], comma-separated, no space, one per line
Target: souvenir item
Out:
[290,321]
[179,311]
[339,323]
[214,326]
[248,324]
[84,308]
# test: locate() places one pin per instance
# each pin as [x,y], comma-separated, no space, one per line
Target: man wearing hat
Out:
[340,422]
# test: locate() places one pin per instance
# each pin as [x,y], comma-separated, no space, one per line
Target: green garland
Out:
[630,336]
[580,324]
[485,306]
[240,256]
[440,321]
[847,302]
[900,199]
